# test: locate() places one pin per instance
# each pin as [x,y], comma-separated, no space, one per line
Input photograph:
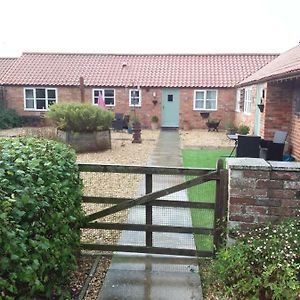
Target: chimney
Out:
[81,86]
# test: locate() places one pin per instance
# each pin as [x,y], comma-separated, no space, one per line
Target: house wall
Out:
[278,108]
[261,192]
[225,108]
[151,105]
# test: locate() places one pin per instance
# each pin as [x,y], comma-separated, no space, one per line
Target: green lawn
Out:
[203,158]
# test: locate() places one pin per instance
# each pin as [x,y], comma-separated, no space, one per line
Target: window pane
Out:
[211,95]
[210,104]
[51,102]
[109,93]
[135,101]
[199,104]
[40,104]
[170,98]
[29,103]
[109,101]
[40,93]
[51,94]
[199,95]
[29,93]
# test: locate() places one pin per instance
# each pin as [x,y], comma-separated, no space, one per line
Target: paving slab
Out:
[141,276]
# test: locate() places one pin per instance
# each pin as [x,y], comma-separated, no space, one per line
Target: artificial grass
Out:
[203,158]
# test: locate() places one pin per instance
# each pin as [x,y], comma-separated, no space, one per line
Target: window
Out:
[39,98]
[107,94]
[134,97]
[247,101]
[205,100]
[170,98]
[238,101]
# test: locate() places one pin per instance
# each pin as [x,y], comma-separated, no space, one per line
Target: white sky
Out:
[148,26]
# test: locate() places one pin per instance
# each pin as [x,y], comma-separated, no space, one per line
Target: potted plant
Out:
[136,128]
[243,129]
[154,122]
[83,126]
[230,127]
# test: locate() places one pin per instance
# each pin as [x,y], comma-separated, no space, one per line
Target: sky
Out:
[148,26]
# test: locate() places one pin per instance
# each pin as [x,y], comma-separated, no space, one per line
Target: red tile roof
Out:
[285,65]
[206,70]
[5,64]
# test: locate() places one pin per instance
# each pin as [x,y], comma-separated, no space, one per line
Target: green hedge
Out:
[80,117]
[9,119]
[40,209]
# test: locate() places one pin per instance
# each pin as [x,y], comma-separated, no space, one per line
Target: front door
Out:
[170,108]
[259,92]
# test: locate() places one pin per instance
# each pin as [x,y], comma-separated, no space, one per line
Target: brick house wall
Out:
[151,105]
[278,108]
[261,192]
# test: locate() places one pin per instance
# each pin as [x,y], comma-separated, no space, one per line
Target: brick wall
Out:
[261,192]
[151,105]
[278,108]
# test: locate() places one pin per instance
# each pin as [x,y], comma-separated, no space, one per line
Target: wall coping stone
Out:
[259,164]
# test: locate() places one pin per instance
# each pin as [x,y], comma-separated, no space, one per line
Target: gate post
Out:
[149,234]
[220,205]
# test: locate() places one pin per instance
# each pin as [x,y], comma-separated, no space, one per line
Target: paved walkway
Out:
[140,276]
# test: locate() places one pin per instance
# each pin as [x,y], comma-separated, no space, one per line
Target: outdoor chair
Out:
[273,149]
[248,146]
[117,123]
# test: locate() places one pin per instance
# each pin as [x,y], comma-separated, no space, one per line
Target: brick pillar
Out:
[261,191]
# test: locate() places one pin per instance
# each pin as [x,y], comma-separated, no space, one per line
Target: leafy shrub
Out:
[243,129]
[40,209]
[264,264]
[154,119]
[80,117]
[9,119]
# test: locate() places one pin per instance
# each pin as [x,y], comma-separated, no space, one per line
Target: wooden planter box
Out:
[86,141]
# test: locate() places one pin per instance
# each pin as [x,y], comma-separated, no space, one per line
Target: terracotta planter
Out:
[86,141]
[154,125]
[137,134]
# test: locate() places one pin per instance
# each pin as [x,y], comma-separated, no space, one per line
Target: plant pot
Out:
[137,134]
[154,125]
[204,115]
[86,141]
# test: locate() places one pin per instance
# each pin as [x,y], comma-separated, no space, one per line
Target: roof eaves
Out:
[281,76]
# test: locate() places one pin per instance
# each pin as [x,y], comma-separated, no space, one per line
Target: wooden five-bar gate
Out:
[150,200]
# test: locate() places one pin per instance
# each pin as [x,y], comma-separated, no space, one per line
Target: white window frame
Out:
[35,99]
[205,99]
[248,101]
[140,98]
[238,100]
[102,90]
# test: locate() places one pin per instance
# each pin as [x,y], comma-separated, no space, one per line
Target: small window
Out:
[297,101]
[134,97]
[170,98]
[107,94]
[205,100]
[39,98]
[247,101]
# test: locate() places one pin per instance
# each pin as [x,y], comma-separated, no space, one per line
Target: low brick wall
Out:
[261,191]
